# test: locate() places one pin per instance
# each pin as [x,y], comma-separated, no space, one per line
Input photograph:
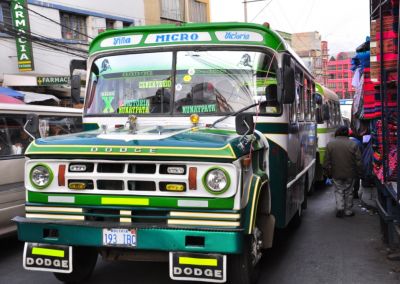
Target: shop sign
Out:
[21,25]
[53,81]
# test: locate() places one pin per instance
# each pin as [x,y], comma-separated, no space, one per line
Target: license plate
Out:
[197,267]
[119,237]
[43,257]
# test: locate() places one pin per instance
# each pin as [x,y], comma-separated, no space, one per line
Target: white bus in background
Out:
[14,141]
[345,108]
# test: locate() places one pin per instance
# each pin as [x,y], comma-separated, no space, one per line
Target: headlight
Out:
[41,176]
[216,180]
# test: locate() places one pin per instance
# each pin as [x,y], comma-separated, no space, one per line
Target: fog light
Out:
[176,170]
[175,187]
[77,168]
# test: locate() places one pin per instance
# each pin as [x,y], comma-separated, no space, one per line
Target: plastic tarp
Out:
[30,97]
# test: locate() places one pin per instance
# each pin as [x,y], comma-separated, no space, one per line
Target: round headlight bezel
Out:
[51,176]
[209,189]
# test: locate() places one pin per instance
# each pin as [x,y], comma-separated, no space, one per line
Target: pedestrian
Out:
[343,164]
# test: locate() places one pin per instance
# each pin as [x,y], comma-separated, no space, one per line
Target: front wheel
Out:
[243,268]
[83,262]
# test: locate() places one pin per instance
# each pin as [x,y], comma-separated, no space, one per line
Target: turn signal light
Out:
[61,175]
[192,178]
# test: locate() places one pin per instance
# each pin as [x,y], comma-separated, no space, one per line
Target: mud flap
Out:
[197,267]
[44,257]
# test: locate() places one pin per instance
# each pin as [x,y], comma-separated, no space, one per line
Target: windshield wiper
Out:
[236,113]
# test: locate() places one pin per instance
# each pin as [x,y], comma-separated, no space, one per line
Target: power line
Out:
[52,45]
[266,5]
[14,32]
[53,21]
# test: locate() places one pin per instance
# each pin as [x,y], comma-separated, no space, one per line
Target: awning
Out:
[10,100]
[11,93]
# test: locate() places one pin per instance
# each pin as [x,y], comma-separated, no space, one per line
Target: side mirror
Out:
[318,116]
[76,88]
[325,112]
[244,124]
[31,126]
[318,99]
[289,84]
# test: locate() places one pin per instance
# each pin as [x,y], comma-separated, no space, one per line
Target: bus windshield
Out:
[214,82]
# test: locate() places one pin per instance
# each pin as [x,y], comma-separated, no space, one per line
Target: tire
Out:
[296,220]
[305,193]
[243,268]
[83,262]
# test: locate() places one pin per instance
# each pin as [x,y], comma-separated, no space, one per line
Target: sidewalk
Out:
[326,249]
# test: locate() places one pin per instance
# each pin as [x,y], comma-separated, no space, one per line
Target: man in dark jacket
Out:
[343,164]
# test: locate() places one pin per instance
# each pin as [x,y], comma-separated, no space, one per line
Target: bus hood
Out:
[152,141]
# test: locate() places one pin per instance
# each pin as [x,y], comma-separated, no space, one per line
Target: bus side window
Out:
[299,94]
[312,103]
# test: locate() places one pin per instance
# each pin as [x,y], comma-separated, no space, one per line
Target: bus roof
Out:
[188,33]
[326,93]
[231,33]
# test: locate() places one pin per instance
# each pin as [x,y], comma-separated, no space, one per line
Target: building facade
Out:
[54,32]
[312,50]
[176,11]
[340,75]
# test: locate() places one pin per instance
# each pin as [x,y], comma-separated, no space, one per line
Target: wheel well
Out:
[264,201]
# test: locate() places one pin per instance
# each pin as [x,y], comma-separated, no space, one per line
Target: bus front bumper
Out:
[149,237]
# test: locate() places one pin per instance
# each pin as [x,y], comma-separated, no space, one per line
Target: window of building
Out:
[346,75]
[5,15]
[198,11]
[110,24]
[173,10]
[127,24]
[73,26]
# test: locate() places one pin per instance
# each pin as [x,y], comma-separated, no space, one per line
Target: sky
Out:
[343,23]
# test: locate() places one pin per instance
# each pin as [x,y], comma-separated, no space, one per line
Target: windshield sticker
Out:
[178,37]
[155,84]
[199,108]
[107,98]
[187,78]
[121,41]
[178,87]
[135,106]
[239,36]
[191,71]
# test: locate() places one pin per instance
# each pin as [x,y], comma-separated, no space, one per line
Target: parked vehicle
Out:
[203,141]
[13,143]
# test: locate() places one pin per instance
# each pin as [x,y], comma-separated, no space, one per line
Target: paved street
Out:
[323,250]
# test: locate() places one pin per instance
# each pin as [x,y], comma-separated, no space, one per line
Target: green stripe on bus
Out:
[153,201]
[325,130]
[124,201]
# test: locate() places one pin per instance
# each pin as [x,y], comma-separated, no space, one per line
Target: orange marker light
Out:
[61,175]
[192,178]
[194,118]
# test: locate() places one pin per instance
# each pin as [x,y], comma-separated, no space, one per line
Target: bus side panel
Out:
[305,168]
[278,161]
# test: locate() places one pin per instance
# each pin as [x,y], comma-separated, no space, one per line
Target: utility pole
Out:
[245,7]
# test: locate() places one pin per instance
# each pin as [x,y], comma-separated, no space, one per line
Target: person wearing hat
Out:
[343,164]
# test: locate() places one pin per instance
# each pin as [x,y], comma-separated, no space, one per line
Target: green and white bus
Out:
[201,139]
[331,120]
